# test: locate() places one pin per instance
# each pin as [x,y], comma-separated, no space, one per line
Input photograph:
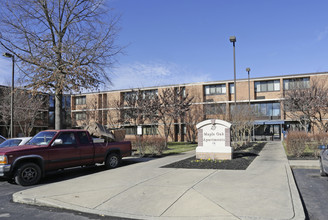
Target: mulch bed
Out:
[242,158]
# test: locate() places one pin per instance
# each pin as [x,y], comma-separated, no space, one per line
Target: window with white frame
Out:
[80,100]
[150,129]
[297,83]
[80,116]
[267,86]
[151,94]
[232,88]
[215,89]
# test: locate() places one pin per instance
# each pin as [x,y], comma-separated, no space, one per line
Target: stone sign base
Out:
[214,140]
[206,154]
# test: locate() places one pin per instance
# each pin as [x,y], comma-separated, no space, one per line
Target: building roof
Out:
[209,82]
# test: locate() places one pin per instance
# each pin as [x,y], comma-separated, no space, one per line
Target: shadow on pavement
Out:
[74,172]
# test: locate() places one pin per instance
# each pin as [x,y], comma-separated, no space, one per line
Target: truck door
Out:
[86,148]
[66,154]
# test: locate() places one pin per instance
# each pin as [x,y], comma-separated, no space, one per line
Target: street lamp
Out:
[233,40]
[12,94]
[249,86]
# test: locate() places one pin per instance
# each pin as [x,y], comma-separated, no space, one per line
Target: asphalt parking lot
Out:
[10,210]
[313,189]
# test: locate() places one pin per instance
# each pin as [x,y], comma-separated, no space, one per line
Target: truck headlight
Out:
[3,159]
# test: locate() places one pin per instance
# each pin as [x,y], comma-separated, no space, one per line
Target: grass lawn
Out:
[179,147]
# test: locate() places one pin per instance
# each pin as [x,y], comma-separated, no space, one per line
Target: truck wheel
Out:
[28,174]
[112,161]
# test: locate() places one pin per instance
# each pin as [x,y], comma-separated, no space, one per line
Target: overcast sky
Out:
[185,41]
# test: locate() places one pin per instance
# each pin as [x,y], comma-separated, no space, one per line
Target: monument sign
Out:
[214,140]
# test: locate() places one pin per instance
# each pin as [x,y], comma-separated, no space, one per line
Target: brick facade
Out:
[211,100]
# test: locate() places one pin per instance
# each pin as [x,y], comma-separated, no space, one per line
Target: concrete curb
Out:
[304,164]
[296,198]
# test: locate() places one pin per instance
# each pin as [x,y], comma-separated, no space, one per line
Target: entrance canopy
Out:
[269,122]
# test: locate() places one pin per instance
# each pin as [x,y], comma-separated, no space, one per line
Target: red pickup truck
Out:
[58,149]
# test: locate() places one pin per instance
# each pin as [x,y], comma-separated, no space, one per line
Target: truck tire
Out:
[28,174]
[113,160]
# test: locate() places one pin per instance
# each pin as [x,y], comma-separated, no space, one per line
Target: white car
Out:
[2,139]
[15,142]
[323,160]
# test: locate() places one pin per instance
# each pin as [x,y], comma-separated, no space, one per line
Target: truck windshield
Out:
[42,138]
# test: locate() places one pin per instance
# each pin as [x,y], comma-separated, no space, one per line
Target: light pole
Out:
[233,40]
[12,93]
[249,86]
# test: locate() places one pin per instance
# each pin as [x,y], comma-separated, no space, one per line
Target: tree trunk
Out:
[58,109]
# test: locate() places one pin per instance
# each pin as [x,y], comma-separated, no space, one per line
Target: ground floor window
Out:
[80,116]
[146,130]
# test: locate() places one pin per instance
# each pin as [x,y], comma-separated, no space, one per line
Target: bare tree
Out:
[193,117]
[308,104]
[242,118]
[60,45]
[174,103]
[89,113]
[137,108]
[30,109]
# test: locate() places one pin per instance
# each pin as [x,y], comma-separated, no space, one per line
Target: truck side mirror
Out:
[57,142]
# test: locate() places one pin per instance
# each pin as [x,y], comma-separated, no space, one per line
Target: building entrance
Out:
[267,132]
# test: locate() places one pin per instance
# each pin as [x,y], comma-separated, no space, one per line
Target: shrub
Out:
[137,144]
[148,145]
[317,140]
[154,145]
[296,143]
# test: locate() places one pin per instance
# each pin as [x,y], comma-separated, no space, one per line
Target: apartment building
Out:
[31,117]
[210,100]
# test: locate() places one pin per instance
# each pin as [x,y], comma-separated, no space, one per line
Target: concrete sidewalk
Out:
[266,190]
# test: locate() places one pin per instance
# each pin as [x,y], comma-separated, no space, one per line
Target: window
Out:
[299,83]
[150,93]
[276,109]
[67,138]
[214,109]
[67,101]
[135,94]
[52,101]
[232,88]
[267,86]
[80,100]
[52,118]
[267,109]
[80,116]
[131,130]
[215,89]
[149,130]
[83,137]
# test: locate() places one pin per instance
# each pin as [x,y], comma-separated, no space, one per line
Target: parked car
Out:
[323,160]
[15,142]
[2,139]
[55,150]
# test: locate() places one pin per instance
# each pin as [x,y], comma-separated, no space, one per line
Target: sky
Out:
[187,41]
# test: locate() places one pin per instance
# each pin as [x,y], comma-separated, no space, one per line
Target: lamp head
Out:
[248,69]
[7,55]
[232,39]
